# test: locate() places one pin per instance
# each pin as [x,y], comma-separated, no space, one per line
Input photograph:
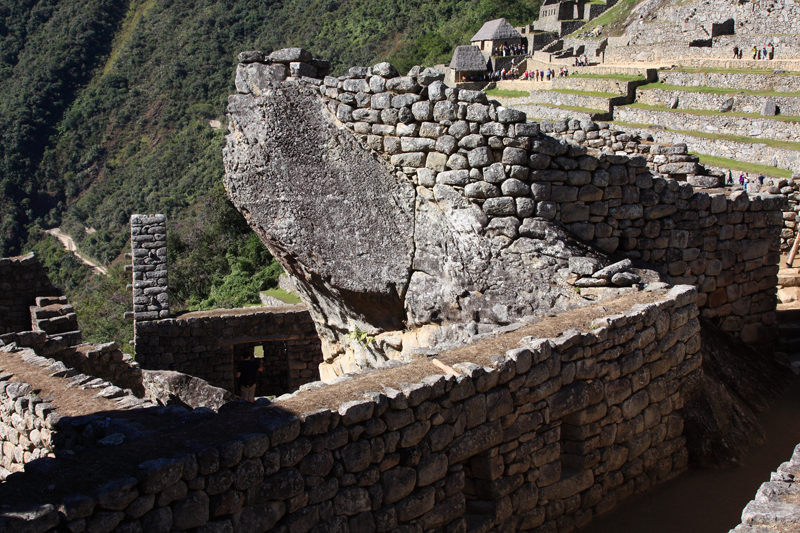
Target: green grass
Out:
[718,136]
[712,112]
[618,77]
[507,93]
[714,90]
[733,71]
[283,296]
[750,168]
[585,93]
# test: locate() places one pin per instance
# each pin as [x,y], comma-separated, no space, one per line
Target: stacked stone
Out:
[732,80]
[203,346]
[31,428]
[26,426]
[149,251]
[739,103]
[790,189]
[548,436]
[22,279]
[775,507]
[257,69]
[56,317]
[758,127]
[105,361]
[446,139]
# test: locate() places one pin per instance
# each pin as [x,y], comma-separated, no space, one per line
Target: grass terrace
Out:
[715,90]
[507,93]
[708,70]
[711,112]
[283,296]
[574,108]
[750,168]
[584,93]
[618,77]
[788,145]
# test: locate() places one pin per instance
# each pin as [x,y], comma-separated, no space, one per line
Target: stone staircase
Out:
[54,316]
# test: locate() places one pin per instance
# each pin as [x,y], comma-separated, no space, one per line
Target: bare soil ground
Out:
[68,402]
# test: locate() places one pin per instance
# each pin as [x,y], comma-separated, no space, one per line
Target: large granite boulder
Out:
[382,242]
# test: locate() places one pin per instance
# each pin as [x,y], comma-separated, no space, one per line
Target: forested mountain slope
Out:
[105,104]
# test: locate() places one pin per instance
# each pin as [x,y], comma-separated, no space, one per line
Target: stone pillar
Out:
[149,253]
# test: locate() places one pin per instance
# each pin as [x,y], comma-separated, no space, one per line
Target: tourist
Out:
[770,51]
[735,52]
[760,181]
[247,375]
[764,52]
[741,180]
[730,178]
[755,52]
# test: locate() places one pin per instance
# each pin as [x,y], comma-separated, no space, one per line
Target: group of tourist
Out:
[505,49]
[582,61]
[765,52]
[503,74]
[746,182]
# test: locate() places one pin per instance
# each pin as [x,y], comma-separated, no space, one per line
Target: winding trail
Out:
[69,244]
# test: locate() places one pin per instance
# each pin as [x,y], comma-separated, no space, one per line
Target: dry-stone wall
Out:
[775,507]
[738,103]
[22,279]
[506,182]
[105,361]
[611,200]
[149,250]
[31,428]
[756,127]
[731,80]
[204,345]
[547,436]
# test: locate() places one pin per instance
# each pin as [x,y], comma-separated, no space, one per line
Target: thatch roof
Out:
[496,30]
[468,59]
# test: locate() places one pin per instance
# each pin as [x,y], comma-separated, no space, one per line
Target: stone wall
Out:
[741,103]
[603,85]
[31,428]
[22,279]
[514,179]
[728,80]
[107,362]
[756,127]
[205,345]
[546,435]
[149,251]
[753,152]
[26,426]
[775,507]
[599,103]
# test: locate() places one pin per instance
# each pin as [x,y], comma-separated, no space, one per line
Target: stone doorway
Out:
[273,356]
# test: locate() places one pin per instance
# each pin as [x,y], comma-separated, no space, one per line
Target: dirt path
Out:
[69,244]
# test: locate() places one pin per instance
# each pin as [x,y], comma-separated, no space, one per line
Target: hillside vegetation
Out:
[105,110]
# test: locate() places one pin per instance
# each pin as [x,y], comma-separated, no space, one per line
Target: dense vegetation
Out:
[106,106]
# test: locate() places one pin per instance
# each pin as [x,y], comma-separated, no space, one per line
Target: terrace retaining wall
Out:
[548,436]
[22,279]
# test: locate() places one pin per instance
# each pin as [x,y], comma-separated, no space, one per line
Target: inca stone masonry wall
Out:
[752,152]
[547,436]
[741,103]
[775,507]
[726,246]
[30,426]
[149,251]
[22,279]
[751,82]
[208,346]
[205,346]
[761,127]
